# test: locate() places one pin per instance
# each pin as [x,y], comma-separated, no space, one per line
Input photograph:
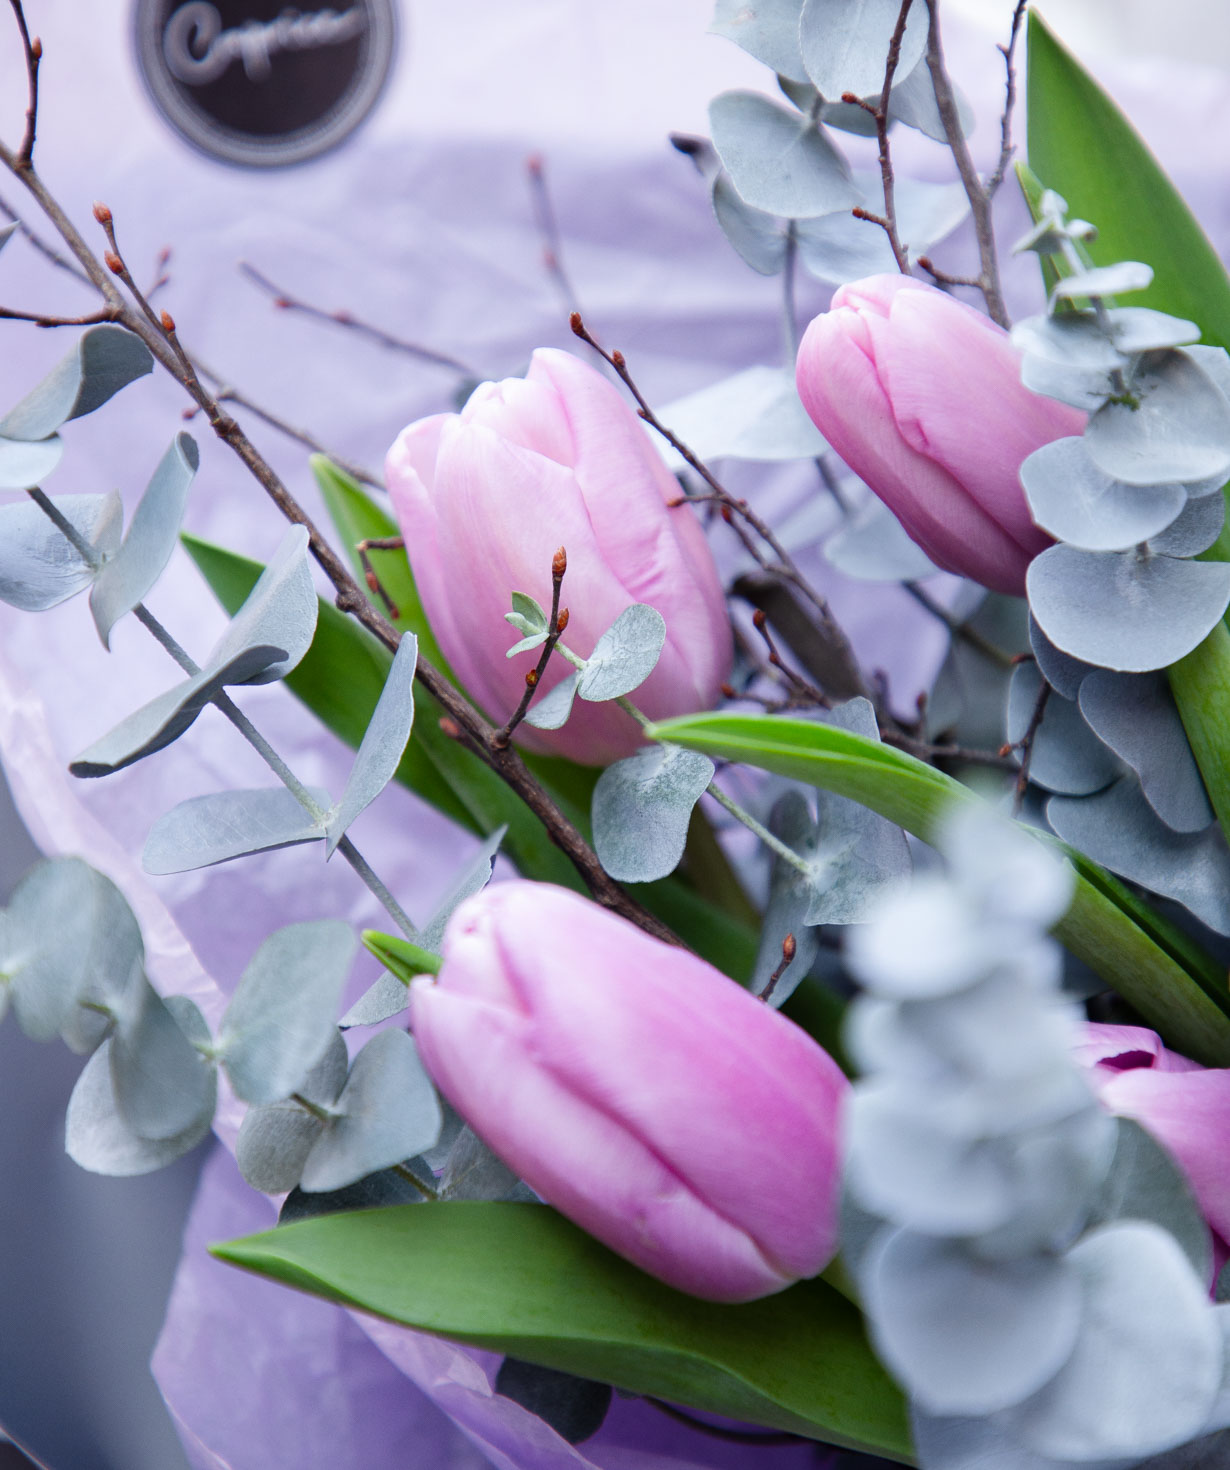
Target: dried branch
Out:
[479,735]
[33,52]
[978,196]
[556,623]
[548,229]
[284,301]
[1006,146]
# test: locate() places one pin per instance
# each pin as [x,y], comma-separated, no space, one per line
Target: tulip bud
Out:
[486,498]
[646,1096]
[1185,1106]
[922,397]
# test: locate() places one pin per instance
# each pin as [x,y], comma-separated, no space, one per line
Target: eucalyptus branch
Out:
[879,114]
[975,191]
[284,301]
[780,565]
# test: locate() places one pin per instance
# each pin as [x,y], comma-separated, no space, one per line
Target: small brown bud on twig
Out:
[167,320]
[618,359]
[533,164]
[678,500]
[759,619]
[577,325]
[372,580]
[727,515]
[283,303]
[36,48]
[562,621]
[850,98]
[559,563]
[788,948]
[450,727]
[730,691]
[101,213]
[113,263]
[1005,751]
[859,213]
[531,679]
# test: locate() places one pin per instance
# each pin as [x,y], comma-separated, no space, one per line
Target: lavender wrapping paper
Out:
[424,224]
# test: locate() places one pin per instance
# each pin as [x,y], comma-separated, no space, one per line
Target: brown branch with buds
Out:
[556,623]
[158,332]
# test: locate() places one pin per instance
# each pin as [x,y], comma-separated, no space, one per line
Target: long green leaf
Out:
[521,1279]
[1081,145]
[1177,989]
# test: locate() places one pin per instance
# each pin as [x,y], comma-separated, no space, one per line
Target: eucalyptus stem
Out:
[758,829]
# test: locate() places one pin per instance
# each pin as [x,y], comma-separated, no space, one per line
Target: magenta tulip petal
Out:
[557,459]
[618,1076]
[921,396]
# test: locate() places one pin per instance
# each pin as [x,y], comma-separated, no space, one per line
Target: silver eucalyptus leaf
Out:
[105,359]
[912,102]
[552,710]
[1061,671]
[779,161]
[96,1136]
[275,1139]
[1135,715]
[758,238]
[1126,610]
[27,462]
[1176,426]
[1076,338]
[1141,329]
[281,1018]
[384,998]
[388,1111]
[1105,280]
[756,415]
[384,743]
[279,612]
[39,566]
[229,824]
[642,807]
[790,898]
[472,879]
[625,655]
[161,1082]
[1074,501]
[1119,829]
[1066,756]
[1193,530]
[472,1171]
[845,42]
[128,575]
[838,248]
[767,30]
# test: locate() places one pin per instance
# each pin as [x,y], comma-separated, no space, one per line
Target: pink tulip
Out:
[922,397]
[1185,1106]
[650,1099]
[485,496]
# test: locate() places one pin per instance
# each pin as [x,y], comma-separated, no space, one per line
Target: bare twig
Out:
[284,301]
[1026,747]
[1006,146]
[957,628]
[49,252]
[930,752]
[548,229]
[41,319]
[806,692]
[978,196]
[556,624]
[789,950]
[33,52]
[374,584]
[734,510]
[879,113]
[350,599]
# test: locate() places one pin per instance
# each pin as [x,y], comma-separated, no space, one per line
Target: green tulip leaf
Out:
[1174,985]
[522,1280]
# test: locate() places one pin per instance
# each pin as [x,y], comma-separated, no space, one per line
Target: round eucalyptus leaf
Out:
[384,998]
[552,710]
[756,236]
[1141,329]
[1147,1363]
[838,247]
[1144,1183]
[844,43]
[1072,337]
[625,655]
[912,102]
[873,546]
[642,807]
[1135,715]
[1066,756]
[1080,387]
[388,1111]
[1072,500]
[472,1171]
[281,1018]
[1126,610]
[966,1335]
[1177,427]
[275,1139]
[778,160]
[767,30]
[1106,280]
[1215,362]
[104,359]
[1194,529]
[1119,829]
[28,462]
[1061,671]
[159,1079]
[39,566]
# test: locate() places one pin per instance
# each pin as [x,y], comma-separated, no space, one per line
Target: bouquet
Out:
[765,1002]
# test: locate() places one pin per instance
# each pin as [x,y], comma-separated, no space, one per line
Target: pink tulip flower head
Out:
[484,498]
[1185,1106]
[650,1099]
[922,397]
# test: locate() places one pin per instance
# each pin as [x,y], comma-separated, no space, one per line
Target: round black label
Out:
[261,83]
